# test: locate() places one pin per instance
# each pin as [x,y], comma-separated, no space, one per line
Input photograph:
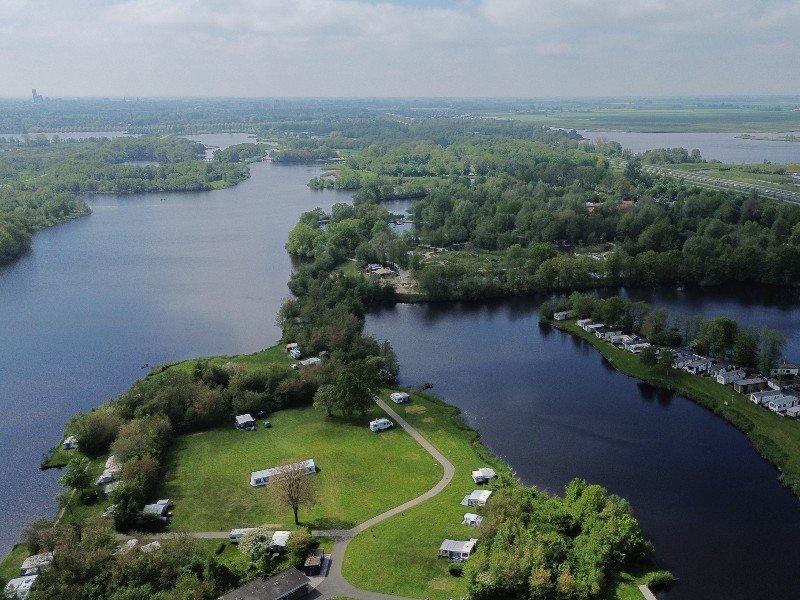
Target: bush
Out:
[220,548]
[456,569]
[658,579]
[95,431]
[299,545]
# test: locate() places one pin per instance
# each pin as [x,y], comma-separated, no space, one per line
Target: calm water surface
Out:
[725,147]
[139,281]
[554,409]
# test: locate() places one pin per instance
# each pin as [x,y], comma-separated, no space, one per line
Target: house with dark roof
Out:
[286,585]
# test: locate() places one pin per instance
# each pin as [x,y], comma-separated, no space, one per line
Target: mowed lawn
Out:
[399,555]
[361,473]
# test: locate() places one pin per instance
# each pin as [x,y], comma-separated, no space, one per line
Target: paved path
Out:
[648,595]
[335,584]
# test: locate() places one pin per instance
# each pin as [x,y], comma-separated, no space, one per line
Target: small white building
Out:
[637,347]
[377,425]
[483,475]
[245,421]
[33,565]
[314,360]
[112,469]
[71,443]
[20,587]
[582,323]
[563,315]
[680,358]
[476,498]
[399,397]
[259,478]
[765,396]
[593,327]
[159,509]
[154,545]
[292,346]
[698,366]
[730,377]
[606,333]
[784,369]
[279,541]
[472,520]
[457,550]
[793,412]
[236,534]
[782,404]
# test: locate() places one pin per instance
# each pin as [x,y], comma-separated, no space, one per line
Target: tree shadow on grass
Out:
[329,523]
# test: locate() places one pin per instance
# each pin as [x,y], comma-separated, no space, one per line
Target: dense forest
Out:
[546,211]
[44,180]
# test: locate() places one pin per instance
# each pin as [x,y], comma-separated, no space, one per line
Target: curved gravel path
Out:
[334,584]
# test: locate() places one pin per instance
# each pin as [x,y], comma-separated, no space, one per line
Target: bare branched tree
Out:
[293,488]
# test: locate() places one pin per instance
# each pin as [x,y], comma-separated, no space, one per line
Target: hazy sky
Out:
[400,48]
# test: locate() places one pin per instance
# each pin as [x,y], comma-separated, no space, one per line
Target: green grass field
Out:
[9,568]
[399,556]
[361,474]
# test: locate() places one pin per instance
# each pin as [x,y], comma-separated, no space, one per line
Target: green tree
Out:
[649,356]
[77,475]
[745,348]
[770,349]
[356,386]
[325,398]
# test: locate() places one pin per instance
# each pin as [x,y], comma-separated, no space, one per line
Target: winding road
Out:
[334,584]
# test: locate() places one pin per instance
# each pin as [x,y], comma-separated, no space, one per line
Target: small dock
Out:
[648,595]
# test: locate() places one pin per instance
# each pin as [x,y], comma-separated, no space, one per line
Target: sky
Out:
[352,48]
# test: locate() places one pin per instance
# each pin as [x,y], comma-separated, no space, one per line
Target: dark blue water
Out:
[139,281]
[554,409]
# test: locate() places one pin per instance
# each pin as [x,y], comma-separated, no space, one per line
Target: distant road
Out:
[717,183]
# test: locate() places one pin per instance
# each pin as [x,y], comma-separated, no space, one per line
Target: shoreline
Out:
[736,410]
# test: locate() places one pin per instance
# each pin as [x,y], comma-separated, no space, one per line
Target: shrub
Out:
[95,431]
[658,579]
[220,548]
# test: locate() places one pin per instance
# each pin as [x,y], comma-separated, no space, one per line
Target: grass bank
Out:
[774,437]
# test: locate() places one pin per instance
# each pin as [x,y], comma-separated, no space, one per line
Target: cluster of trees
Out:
[671,156]
[88,565]
[542,547]
[304,149]
[241,153]
[720,337]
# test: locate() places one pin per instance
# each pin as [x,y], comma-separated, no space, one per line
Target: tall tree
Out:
[356,386]
[293,487]
[770,349]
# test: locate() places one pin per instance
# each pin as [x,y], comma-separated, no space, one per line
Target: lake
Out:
[725,147]
[139,281]
[554,409]
[143,281]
